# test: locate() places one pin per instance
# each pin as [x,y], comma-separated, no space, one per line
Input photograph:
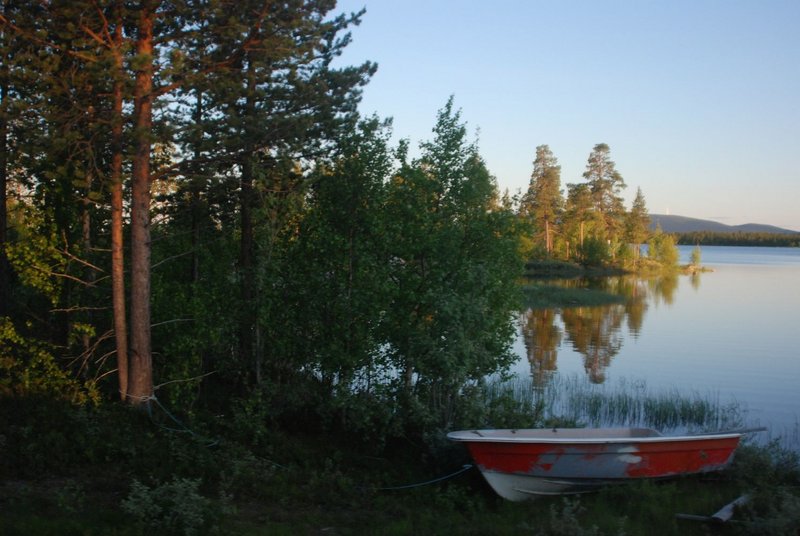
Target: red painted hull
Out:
[519,464]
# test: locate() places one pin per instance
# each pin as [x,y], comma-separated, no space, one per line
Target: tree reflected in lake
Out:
[663,288]
[542,337]
[695,280]
[593,331]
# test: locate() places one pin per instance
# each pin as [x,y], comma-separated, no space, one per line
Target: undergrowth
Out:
[111,470]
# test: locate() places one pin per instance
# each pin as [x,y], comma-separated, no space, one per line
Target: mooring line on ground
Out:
[466,467]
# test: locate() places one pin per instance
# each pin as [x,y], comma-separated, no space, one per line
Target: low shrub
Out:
[175,507]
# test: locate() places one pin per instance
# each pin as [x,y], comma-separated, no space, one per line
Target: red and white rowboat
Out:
[521,464]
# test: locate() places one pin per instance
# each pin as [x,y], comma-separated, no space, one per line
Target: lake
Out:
[733,333]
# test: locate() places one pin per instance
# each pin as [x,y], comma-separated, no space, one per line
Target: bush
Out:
[777,513]
[594,252]
[661,247]
[771,473]
[176,507]
[696,255]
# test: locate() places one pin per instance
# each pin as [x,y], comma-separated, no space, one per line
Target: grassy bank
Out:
[544,295]
[105,471]
[115,471]
[548,270]
[553,269]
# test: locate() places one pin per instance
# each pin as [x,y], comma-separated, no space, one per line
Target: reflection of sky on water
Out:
[731,332]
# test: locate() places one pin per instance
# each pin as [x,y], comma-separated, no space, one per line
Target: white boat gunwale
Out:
[572,436]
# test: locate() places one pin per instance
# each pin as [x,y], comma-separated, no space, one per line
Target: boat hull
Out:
[521,464]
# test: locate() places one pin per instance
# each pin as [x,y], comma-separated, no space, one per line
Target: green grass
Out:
[554,269]
[547,296]
[331,484]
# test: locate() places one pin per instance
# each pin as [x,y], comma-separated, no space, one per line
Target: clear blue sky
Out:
[698,100]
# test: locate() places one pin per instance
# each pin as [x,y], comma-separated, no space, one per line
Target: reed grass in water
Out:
[576,400]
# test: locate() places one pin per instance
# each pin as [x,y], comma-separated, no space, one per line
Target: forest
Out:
[706,238]
[193,207]
[209,259]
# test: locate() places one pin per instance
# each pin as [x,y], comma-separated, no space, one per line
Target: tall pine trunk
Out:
[548,239]
[117,252]
[140,377]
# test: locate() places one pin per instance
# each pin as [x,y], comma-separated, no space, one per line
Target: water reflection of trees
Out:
[594,332]
[542,337]
[663,288]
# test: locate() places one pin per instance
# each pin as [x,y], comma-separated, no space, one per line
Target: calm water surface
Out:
[733,333]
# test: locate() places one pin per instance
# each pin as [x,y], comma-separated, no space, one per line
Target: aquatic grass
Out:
[575,399]
[553,295]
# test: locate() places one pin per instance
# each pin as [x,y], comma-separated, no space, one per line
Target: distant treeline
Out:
[710,238]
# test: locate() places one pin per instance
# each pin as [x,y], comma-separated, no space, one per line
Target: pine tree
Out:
[285,103]
[637,223]
[605,184]
[543,203]
[580,217]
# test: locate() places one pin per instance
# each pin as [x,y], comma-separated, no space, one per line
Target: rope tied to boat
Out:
[463,469]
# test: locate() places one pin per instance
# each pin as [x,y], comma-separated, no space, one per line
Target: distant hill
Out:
[682,224]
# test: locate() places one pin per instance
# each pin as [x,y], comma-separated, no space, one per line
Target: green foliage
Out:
[768,466]
[594,252]
[509,405]
[545,296]
[776,513]
[661,248]
[581,220]
[637,222]
[694,260]
[564,520]
[29,369]
[46,436]
[454,261]
[52,437]
[71,497]
[194,320]
[33,253]
[592,226]
[404,281]
[301,267]
[246,475]
[328,481]
[340,261]
[626,255]
[770,474]
[543,204]
[175,507]
[605,185]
